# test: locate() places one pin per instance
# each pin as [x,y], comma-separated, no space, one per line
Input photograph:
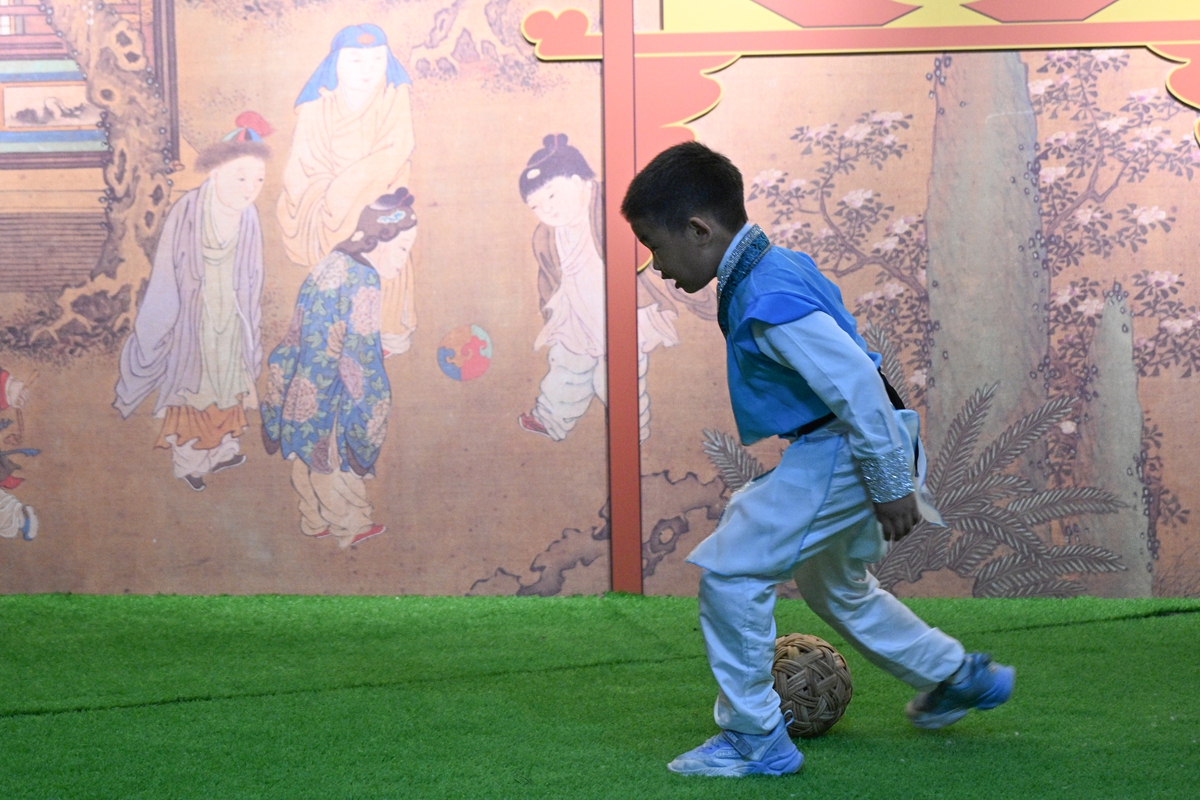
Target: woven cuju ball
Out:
[813,682]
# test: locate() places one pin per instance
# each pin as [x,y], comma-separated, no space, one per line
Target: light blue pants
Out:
[737,611]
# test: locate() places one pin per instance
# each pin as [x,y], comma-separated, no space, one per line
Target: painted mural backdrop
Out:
[282,334]
[296,317]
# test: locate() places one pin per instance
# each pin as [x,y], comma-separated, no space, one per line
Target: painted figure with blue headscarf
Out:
[353,143]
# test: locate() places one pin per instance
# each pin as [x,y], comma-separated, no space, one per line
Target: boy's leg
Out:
[739,632]
[566,391]
[840,590]
[737,618]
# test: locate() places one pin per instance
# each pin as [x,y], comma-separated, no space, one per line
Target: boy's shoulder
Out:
[789,272]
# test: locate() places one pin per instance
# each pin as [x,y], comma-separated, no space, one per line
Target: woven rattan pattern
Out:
[813,682]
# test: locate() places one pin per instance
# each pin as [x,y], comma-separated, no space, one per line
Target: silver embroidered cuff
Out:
[888,477]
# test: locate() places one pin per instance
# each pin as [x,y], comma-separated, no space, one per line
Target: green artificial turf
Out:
[585,697]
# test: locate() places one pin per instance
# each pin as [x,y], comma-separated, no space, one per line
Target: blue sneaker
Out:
[730,754]
[978,683]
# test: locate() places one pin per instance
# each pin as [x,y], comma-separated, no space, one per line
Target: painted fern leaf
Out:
[1059,503]
[992,487]
[968,552]
[1004,527]
[735,464]
[950,468]
[1019,437]
[877,339]
[1080,558]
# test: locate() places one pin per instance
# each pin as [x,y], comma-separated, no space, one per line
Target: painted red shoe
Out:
[362,537]
[530,423]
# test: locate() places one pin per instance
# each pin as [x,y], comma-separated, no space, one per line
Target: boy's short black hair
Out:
[683,181]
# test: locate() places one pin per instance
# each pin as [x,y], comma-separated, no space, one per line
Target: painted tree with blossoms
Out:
[1087,173]
[849,230]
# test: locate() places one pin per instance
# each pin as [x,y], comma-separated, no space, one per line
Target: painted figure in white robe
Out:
[560,188]
[197,336]
[353,143]
[16,518]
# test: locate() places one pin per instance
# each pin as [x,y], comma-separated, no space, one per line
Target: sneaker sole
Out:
[785,765]
[1002,689]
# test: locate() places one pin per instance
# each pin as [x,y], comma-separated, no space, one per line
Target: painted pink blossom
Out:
[887,245]
[1061,138]
[856,133]
[1067,426]
[1163,279]
[887,116]
[1060,56]
[1051,174]
[856,198]
[893,289]
[868,298]
[1149,133]
[1144,95]
[1065,295]
[1177,326]
[1148,215]
[820,132]
[365,314]
[766,178]
[1113,124]
[274,385]
[798,183]
[1107,55]
[919,377]
[1038,88]
[351,373]
[1092,307]
[377,425]
[330,273]
[1088,215]
[301,403]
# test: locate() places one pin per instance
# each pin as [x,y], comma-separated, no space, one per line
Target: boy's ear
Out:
[700,230]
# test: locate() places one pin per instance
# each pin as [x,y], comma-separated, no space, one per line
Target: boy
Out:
[328,395]
[797,369]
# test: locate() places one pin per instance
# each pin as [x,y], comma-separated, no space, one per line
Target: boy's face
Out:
[689,257]
[561,201]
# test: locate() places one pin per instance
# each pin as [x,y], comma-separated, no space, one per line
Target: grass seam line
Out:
[49,712]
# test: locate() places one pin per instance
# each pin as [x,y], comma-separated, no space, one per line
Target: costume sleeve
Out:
[143,362]
[846,379]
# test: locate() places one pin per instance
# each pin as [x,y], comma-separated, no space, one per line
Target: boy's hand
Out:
[898,517]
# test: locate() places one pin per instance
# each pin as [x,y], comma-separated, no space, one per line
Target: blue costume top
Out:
[326,378]
[772,286]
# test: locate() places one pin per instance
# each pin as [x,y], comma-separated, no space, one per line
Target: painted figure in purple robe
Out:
[353,142]
[197,337]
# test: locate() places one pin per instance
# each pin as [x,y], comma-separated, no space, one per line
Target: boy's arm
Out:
[846,380]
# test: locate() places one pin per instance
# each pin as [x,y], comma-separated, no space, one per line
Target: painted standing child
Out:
[797,369]
[197,336]
[353,142]
[560,188]
[328,396]
[16,518]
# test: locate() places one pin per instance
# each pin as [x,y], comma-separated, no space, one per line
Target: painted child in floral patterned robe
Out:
[328,396]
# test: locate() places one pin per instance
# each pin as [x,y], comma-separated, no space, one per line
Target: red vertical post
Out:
[620,165]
